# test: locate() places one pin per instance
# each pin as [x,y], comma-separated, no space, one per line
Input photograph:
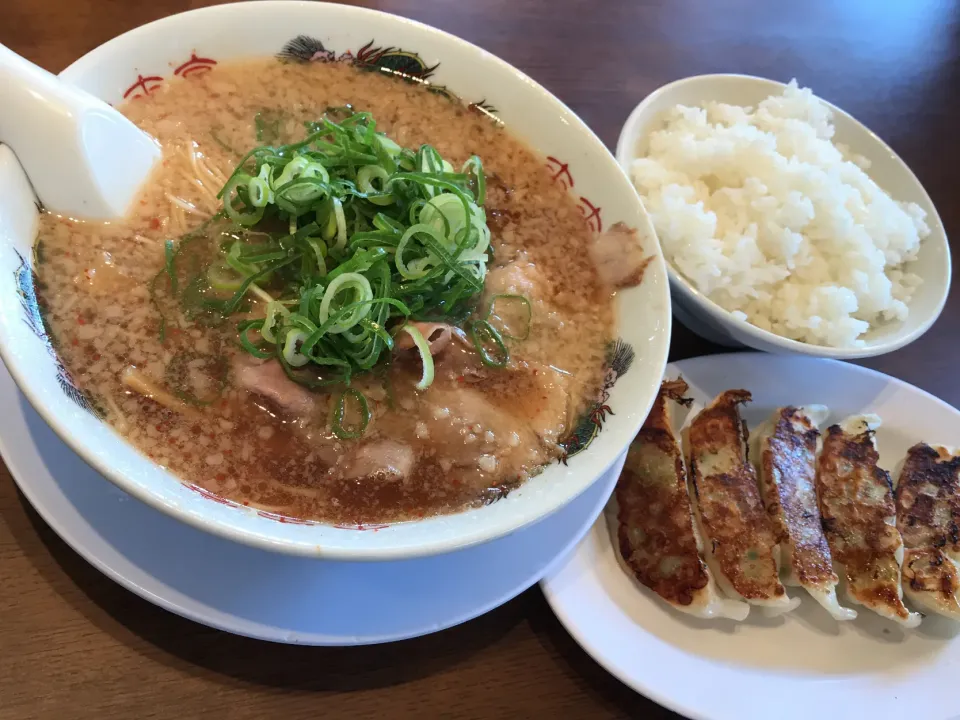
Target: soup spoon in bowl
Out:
[84,159]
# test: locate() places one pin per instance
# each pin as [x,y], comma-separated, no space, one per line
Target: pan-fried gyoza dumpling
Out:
[784,449]
[928,515]
[739,541]
[859,518]
[655,531]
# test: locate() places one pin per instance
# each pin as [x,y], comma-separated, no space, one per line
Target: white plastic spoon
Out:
[84,159]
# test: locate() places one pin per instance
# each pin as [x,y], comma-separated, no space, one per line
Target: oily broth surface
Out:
[475,432]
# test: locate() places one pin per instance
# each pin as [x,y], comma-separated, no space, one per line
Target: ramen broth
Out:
[265,441]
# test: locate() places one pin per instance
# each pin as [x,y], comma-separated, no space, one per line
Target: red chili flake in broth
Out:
[155,222]
[221,477]
[80,320]
[96,357]
[228,452]
[460,379]
[74,342]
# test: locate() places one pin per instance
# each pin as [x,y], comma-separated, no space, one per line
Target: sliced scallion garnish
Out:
[223,277]
[291,352]
[511,316]
[344,237]
[486,338]
[340,411]
[169,256]
[426,357]
[258,351]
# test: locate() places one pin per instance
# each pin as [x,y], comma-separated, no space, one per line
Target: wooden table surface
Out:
[75,645]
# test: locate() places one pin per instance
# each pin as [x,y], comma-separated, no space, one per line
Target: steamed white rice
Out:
[776,223]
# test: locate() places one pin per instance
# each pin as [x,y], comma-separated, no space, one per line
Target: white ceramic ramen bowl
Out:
[139,61]
[711,321]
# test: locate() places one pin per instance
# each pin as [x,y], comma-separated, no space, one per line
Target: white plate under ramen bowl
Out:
[264,595]
[711,321]
[797,666]
[139,61]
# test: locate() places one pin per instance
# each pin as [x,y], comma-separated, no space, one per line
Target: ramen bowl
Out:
[136,63]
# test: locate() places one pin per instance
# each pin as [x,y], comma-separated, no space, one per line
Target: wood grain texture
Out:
[75,645]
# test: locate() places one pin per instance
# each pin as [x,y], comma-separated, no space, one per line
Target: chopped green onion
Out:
[247,344]
[362,292]
[340,410]
[258,191]
[304,191]
[274,311]
[328,225]
[315,170]
[426,357]
[234,302]
[483,334]
[513,314]
[234,261]
[292,170]
[365,177]
[344,236]
[256,258]
[290,352]
[169,256]
[474,167]
[341,224]
[223,277]
[417,271]
[246,219]
[319,254]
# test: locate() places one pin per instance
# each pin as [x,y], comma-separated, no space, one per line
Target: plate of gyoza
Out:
[784,540]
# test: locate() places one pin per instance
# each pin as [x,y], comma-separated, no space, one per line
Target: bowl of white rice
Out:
[786,224]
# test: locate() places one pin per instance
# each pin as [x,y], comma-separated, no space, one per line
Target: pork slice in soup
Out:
[400,317]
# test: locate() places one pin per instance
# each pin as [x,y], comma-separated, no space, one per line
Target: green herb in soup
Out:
[344,235]
[358,320]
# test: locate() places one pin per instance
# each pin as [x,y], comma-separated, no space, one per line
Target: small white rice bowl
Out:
[765,215]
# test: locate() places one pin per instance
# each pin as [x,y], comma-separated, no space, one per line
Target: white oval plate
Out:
[797,666]
[266,595]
